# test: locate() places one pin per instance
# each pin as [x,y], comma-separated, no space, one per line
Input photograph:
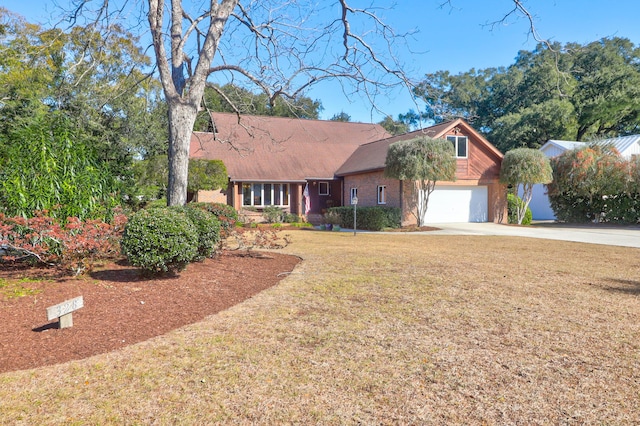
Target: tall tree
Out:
[96,79]
[424,161]
[575,92]
[242,40]
[94,85]
[607,95]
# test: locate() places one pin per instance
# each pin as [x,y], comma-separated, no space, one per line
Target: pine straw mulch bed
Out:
[121,307]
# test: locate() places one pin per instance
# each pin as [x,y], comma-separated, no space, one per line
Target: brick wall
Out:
[367,184]
[218,196]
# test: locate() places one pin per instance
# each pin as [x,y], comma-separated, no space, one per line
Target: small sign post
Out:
[354,201]
[63,311]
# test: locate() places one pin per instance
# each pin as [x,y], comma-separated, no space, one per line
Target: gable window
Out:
[324,188]
[382,194]
[460,145]
[265,194]
[354,194]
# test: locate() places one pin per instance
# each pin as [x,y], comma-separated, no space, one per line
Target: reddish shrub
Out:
[74,245]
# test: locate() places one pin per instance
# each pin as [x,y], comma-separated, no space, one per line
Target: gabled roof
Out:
[563,145]
[626,145]
[277,149]
[372,156]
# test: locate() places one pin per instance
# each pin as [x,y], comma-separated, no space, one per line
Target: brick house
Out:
[272,160]
[475,196]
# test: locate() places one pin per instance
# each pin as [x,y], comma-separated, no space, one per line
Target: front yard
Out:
[380,329]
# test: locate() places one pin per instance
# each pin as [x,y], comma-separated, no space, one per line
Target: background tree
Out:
[573,92]
[92,81]
[525,167]
[341,116]
[207,175]
[234,99]
[424,161]
[151,177]
[395,127]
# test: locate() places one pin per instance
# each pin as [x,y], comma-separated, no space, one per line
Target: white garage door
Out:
[449,204]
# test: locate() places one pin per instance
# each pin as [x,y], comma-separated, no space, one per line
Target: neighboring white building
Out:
[540,206]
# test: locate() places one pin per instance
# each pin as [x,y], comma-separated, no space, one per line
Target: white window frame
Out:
[284,189]
[328,188]
[382,194]
[455,140]
[353,194]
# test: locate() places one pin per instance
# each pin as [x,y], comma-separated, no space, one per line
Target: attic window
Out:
[460,145]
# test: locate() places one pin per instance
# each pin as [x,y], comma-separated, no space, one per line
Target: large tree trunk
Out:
[181,119]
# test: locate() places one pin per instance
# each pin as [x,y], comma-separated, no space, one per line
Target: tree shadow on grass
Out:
[624,286]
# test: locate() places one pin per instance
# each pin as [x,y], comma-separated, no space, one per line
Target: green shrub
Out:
[156,204]
[594,184]
[301,225]
[208,228]
[226,214]
[512,205]
[373,218]
[160,240]
[292,218]
[273,214]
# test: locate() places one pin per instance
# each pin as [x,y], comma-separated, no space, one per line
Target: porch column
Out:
[299,209]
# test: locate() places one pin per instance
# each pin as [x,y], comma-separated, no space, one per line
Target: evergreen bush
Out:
[226,214]
[292,218]
[208,228]
[374,218]
[160,240]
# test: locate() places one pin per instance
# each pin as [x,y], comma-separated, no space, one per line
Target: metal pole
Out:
[355,207]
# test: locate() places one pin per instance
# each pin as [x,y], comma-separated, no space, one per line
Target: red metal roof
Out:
[277,149]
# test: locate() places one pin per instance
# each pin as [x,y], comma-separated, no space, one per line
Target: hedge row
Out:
[371,218]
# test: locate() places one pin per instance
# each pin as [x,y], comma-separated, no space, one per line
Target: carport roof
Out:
[626,145]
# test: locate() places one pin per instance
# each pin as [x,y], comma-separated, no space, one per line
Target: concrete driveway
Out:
[626,236]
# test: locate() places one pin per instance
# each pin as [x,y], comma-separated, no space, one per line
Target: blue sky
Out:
[456,38]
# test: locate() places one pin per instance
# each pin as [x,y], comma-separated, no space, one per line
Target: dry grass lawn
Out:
[381,329]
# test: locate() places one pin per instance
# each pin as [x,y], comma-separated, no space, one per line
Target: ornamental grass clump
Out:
[160,240]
